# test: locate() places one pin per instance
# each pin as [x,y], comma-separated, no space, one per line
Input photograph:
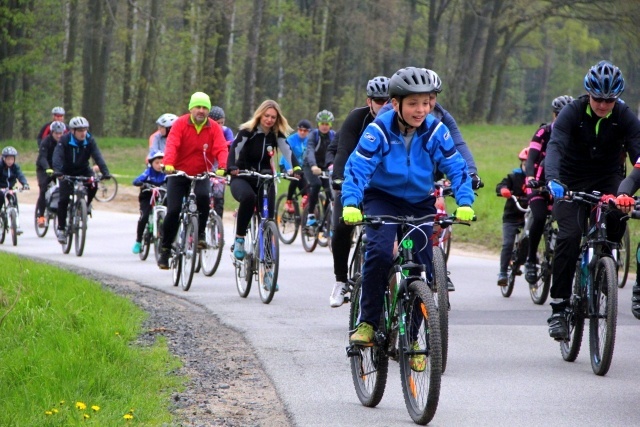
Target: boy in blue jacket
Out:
[298,143]
[391,172]
[152,175]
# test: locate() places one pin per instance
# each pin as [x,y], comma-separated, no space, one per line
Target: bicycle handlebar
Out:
[379,220]
[519,206]
[199,176]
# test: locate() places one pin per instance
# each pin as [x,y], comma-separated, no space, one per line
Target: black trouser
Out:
[572,218]
[66,190]
[340,241]
[177,190]
[245,191]
[300,184]
[145,209]
[43,185]
[314,187]
[509,232]
[539,205]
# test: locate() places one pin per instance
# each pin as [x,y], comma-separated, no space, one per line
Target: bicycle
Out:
[442,237]
[10,216]
[320,233]
[107,189]
[152,234]
[262,250]
[52,196]
[409,317]
[289,221]
[595,288]
[214,235]
[624,258]
[77,214]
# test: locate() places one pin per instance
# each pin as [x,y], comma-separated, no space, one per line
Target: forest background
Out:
[122,63]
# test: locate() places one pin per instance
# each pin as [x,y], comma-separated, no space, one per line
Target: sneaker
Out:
[337,295]
[305,201]
[635,301]
[558,326]
[136,248]
[41,222]
[311,220]
[417,362]
[163,259]
[62,236]
[238,248]
[502,279]
[266,282]
[363,335]
[531,273]
[289,207]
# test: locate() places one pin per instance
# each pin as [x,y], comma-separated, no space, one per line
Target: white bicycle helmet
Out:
[166,120]
[78,122]
[57,127]
[57,111]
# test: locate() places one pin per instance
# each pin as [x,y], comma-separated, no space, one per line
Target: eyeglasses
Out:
[605,100]
[303,130]
[380,101]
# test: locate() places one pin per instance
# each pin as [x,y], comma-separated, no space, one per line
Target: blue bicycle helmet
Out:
[604,80]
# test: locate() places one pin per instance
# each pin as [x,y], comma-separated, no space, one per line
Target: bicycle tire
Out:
[3,226]
[445,243]
[107,189]
[421,390]
[41,232]
[244,267]
[323,237]
[175,261]
[307,234]
[145,244]
[269,262]
[214,235]
[440,277]
[80,226]
[357,258]
[369,365]
[602,324]
[624,258]
[66,247]
[539,292]
[13,226]
[575,321]
[512,270]
[288,223]
[159,227]
[189,256]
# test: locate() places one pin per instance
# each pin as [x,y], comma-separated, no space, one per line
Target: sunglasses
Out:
[380,101]
[605,100]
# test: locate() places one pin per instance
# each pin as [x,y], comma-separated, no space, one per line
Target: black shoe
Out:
[635,301]
[558,329]
[163,259]
[531,273]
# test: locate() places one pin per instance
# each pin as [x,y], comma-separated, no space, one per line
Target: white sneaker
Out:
[337,295]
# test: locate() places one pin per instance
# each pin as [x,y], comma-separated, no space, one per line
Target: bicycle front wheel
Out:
[107,190]
[369,365]
[13,225]
[268,261]
[421,353]
[66,247]
[624,257]
[540,290]
[602,322]
[575,321]
[244,267]
[308,234]
[445,242]
[512,271]
[189,256]
[80,226]
[145,244]
[440,277]
[288,222]
[214,235]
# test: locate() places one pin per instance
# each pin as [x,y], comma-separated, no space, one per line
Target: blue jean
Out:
[380,242]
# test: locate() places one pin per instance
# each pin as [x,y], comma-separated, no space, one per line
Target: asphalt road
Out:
[503,368]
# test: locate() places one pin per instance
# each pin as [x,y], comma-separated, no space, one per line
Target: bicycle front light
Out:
[193,208]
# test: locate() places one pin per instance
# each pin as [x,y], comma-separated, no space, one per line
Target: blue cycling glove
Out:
[556,189]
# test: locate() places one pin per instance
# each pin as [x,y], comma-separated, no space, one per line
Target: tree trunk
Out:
[128,56]
[70,55]
[408,33]
[251,65]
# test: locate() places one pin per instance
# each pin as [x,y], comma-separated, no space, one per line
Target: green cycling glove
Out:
[351,215]
[464,213]
[220,172]
[49,172]
[169,169]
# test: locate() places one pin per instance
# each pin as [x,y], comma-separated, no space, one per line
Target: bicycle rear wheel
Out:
[624,258]
[107,190]
[575,321]
[145,244]
[602,323]
[268,262]
[440,277]
[41,232]
[421,389]
[357,258]
[13,225]
[3,226]
[214,235]
[308,234]
[80,226]
[540,290]
[66,247]
[323,236]
[189,252]
[244,267]
[159,228]
[369,365]
[288,222]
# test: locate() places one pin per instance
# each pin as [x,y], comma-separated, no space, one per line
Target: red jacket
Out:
[187,150]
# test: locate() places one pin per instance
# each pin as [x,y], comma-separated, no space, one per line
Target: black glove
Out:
[336,184]
[476,182]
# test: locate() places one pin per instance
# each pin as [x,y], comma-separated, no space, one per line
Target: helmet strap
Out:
[407,126]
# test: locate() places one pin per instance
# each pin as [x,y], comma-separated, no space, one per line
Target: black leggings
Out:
[340,241]
[66,190]
[145,209]
[245,191]
[301,184]
[539,205]
[177,190]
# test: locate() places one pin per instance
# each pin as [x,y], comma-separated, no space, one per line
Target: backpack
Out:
[52,197]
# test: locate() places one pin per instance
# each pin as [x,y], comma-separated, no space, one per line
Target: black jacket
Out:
[71,157]
[249,150]
[515,182]
[347,139]
[45,154]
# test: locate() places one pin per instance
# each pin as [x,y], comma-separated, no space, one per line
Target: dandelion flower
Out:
[48,413]
[128,417]
[81,406]
[86,416]
[96,408]
[55,411]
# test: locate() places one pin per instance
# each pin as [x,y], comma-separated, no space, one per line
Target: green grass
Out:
[68,340]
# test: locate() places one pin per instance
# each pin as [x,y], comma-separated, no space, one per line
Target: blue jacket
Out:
[150,176]
[298,145]
[382,161]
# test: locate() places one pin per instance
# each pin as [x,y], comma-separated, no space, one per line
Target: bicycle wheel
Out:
[512,271]
[357,258]
[214,234]
[244,267]
[189,256]
[421,389]
[80,226]
[107,190]
[369,365]
[602,323]
[445,242]
[175,261]
[66,247]
[308,234]
[41,232]
[440,277]
[3,228]
[159,228]
[13,225]
[145,244]
[575,321]
[324,231]
[540,290]
[624,258]
[268,261]
[288,222]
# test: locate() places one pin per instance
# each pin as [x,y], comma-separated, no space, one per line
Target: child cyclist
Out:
[153,175]
[512,218]
[298,143]
[400,149]
[10,172]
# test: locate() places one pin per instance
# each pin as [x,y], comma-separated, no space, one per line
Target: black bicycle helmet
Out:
[559,103]
[411,80]
[604,80]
